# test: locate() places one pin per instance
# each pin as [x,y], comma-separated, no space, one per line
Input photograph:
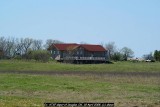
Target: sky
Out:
[128,23]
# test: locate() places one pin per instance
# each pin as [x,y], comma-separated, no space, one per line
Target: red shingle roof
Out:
[63,47]
[88,47]
[93,47]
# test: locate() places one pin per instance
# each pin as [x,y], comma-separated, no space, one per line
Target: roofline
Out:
[55,46]
[90,44]
[78,45]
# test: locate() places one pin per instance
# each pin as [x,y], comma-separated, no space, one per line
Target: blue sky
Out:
[131,23]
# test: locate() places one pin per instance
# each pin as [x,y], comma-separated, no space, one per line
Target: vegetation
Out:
[118,55]
[149,57]
[127,53]
[38,55]
[20,48]
[152,57]
[125,66]
[157,55]
[111,48]
[13,47]
[33,90]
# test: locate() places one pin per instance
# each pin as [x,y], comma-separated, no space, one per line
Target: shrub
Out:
[117,56]
[18,57]
[38,55]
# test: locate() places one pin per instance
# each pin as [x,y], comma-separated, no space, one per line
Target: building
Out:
[79,53]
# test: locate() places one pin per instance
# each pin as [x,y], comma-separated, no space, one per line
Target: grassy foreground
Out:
[18,65]
[33,90]
[18,90]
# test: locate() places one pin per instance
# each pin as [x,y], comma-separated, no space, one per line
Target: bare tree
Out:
[10,44]
[3,45]
[26,44]
[37,44]
[49,42]
[18,47]
[7,46]
[111,48]
[14,46]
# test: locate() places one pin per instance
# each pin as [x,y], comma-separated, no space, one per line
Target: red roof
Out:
[63,47]
[88,47]
[93,47]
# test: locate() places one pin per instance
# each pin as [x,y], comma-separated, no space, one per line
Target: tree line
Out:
[26,48]
[118,54]
[124,53]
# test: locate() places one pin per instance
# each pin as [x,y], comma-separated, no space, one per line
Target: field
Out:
[133,84]
[18,65]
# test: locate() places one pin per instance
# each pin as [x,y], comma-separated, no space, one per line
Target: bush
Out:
[18,57]
[39,55]
[117,56]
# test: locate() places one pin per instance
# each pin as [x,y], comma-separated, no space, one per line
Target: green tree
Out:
[127,53]
[157,55]
[117,56]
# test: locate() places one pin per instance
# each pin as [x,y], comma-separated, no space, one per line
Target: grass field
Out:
[127,90]
[17,65]
[34,90]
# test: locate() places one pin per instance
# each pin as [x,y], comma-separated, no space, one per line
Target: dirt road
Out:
[81,73]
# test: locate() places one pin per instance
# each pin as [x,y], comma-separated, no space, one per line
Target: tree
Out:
[1,53]
[18,47]
[37,45]
[2,45]
[49,42]
[26,44]
[111,48]
[15,47]
[6,45]
[157,55]
[117,56]
[127,53]
[148,56]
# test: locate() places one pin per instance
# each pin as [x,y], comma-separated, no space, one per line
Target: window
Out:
[81,52]
[77,52]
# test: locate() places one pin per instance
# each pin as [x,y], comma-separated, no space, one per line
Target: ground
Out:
[33,88]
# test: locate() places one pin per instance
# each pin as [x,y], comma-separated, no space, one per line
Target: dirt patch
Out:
[81,73]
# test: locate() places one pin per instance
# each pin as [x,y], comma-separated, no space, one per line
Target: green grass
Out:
[18,65]
[124,90]
[33,90]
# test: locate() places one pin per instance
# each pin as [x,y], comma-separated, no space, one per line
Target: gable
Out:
[72,46]
[93,48]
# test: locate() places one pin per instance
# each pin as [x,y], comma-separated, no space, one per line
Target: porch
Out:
[85,58]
